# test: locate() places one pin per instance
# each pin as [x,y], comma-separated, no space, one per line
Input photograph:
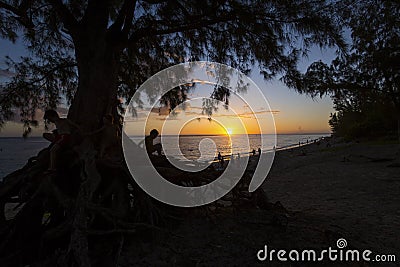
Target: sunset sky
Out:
[293,113]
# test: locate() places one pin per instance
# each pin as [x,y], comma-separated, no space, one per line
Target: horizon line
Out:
[35,136]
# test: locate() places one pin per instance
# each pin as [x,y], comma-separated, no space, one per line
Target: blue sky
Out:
[297,113]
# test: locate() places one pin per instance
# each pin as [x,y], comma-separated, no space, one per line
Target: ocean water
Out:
[15,151]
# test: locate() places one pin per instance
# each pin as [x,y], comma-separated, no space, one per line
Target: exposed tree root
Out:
[79,215]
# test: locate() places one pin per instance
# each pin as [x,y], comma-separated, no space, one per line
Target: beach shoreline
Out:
[329,191]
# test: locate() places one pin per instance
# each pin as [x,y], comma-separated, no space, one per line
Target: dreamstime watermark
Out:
[148,98]
[330,254]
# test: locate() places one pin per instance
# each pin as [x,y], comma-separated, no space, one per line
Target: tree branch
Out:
[96,16]
[68,19]
[130,11]
[10,8]
[119,30]
[20,12]
[176,26]
[127,9]
[52,70]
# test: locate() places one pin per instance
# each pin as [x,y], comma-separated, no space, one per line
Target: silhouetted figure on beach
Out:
[150,147]
[60,137]
[222,163]
[254,152]
[259,151]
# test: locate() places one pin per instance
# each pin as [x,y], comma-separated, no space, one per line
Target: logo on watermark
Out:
[330,254]
[341,243]
[148,97]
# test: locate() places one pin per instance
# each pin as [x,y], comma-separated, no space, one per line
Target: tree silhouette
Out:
[364,84]
[92,53]
[108,48]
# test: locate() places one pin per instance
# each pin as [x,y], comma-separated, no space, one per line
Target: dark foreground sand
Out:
[343,191]
[354,187]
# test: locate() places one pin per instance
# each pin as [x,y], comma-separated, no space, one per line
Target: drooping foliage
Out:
[364,84]
[89,54]
[68,40]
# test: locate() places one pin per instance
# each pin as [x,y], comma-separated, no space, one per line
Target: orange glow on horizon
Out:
[223,123]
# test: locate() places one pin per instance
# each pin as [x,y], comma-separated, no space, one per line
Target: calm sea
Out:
[14,152]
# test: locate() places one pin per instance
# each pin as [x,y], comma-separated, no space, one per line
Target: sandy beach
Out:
[327,191]
[352,188]
[343,190]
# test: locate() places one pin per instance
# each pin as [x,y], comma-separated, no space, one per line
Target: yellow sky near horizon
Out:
[244,115]
[204,127]
[296,115]
[191,121]
[285,123]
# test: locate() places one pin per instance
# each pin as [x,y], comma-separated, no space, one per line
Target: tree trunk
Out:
[398,127]
[97,87]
